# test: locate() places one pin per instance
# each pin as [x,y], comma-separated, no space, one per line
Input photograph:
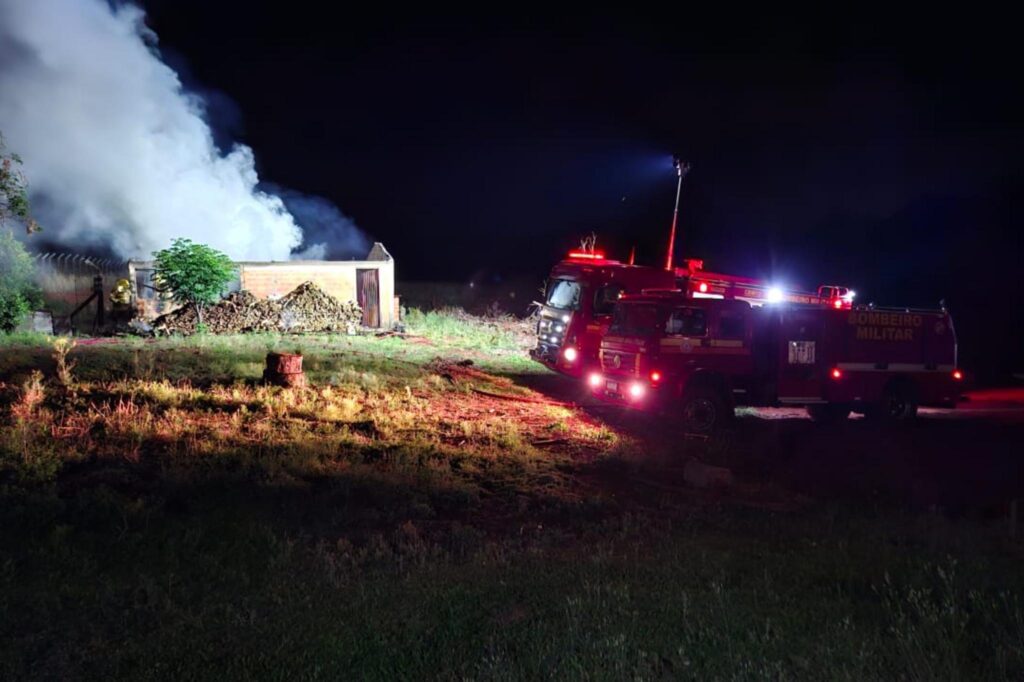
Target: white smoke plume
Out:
[117,154]
[327,233]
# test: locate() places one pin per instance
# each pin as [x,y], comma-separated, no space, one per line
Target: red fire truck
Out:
[577,309]
[583,289]
[698,358]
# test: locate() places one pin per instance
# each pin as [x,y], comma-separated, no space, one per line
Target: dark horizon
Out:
[496,144]
[882,155]
[879,155]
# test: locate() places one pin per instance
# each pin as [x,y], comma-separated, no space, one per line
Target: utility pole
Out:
[682,168]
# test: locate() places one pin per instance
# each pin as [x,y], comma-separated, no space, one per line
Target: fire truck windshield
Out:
[563,294]
[635,319]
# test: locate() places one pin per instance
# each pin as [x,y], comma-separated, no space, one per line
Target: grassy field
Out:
[422,511]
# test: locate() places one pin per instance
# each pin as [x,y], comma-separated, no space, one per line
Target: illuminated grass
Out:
[408,517]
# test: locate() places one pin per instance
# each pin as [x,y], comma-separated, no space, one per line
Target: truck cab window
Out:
[731,326]
[687,322]
[563,294]
[605,298]
[635,319]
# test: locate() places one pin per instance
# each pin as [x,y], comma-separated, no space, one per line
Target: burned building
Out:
[69,281]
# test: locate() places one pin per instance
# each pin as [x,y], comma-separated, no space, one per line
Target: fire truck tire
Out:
[899,403]
[828,413]
[704,410]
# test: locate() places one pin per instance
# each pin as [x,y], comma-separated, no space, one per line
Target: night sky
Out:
[877,151]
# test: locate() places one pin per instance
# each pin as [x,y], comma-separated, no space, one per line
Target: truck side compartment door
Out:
[800,357]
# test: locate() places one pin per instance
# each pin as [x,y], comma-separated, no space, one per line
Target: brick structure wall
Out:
[276,280]
[273,280]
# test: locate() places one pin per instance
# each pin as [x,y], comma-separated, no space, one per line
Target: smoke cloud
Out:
[327,233]
[119,156]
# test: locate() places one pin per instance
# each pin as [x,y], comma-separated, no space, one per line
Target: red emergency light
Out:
[655,376]
[587,255]
[703,287]
[958,375]
[837,373]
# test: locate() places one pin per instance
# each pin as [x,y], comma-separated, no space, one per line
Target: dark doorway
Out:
[368,295]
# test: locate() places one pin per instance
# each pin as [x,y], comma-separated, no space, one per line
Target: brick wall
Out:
[274,281]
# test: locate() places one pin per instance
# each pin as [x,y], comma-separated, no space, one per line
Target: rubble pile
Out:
[307,308]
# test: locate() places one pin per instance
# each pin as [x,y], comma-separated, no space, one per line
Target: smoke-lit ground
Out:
[120,157]
[436,505]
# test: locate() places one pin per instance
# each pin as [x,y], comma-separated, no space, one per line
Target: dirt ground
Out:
[967,461]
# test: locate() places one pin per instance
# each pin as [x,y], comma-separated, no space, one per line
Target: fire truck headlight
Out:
[636,390]
[559,327]
[565,318]
[570,354]
[594,379]
[775,295]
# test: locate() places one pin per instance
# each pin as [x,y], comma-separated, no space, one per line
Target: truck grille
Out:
[620,362]
[551,330]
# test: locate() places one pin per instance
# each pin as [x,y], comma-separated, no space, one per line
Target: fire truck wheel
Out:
[899,403]
[703,411]
[828,413]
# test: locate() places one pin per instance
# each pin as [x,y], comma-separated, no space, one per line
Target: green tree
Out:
[195,274]
[13,190]
[18,291]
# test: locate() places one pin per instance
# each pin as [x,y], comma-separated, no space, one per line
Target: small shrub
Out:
[62,347]
[33,392]
[18,292]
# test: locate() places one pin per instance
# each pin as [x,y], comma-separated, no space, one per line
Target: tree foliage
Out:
[194,274]
[18,291]
[13,190]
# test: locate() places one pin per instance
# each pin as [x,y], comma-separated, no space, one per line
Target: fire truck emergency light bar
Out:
[714,285]
[587,255]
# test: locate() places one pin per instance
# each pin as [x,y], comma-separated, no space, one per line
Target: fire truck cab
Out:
[698,358]
[669,352]
[581,293]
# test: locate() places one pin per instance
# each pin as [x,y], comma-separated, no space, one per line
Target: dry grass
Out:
[410,515]
[447,425]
